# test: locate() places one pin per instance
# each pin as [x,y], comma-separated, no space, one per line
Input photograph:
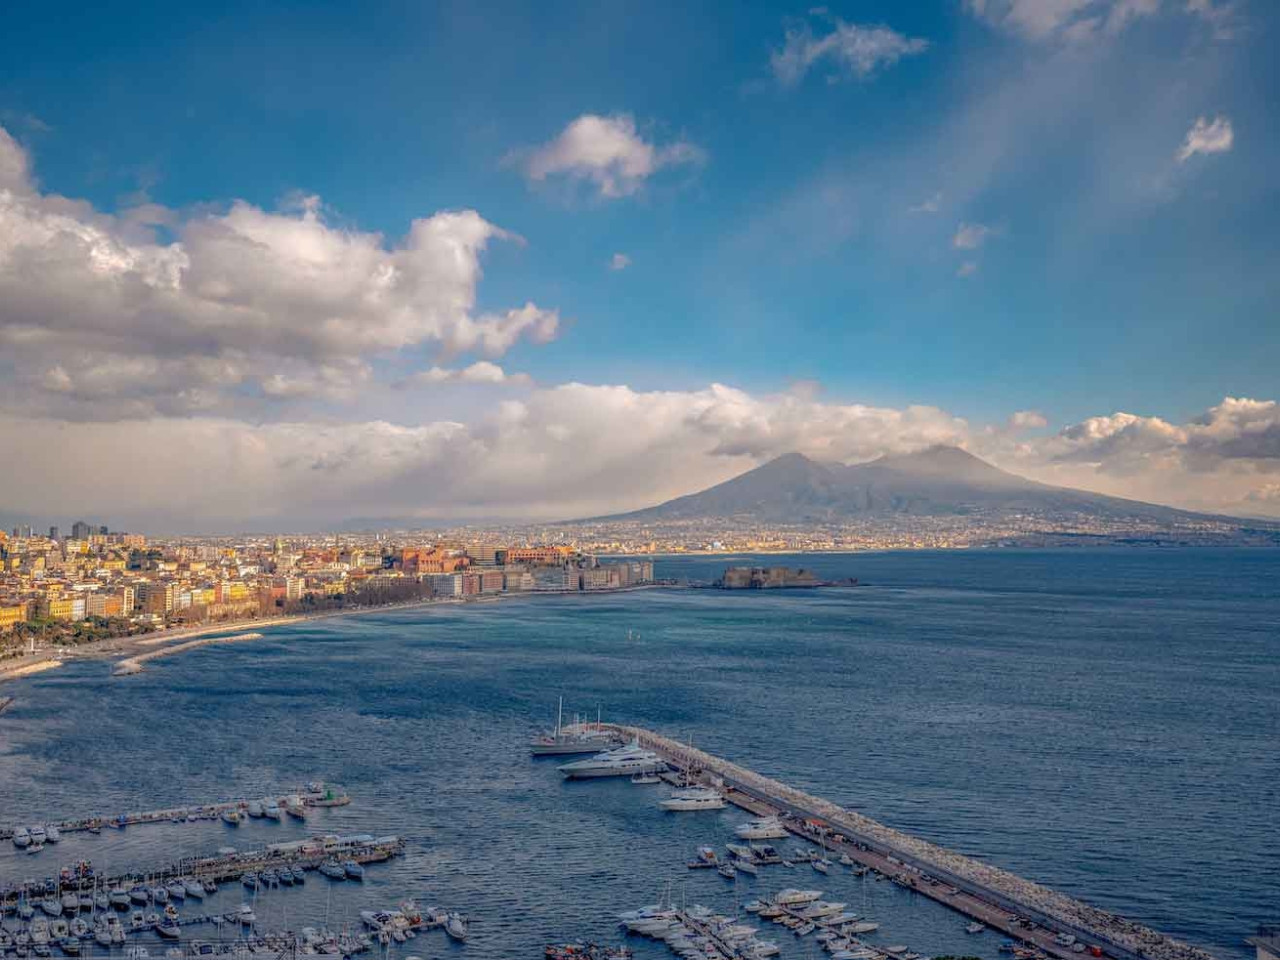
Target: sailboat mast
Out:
[559,716]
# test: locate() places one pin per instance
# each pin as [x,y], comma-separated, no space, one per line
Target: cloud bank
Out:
[852,51]
[106,315]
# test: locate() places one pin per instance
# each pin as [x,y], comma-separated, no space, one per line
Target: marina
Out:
[1056,925]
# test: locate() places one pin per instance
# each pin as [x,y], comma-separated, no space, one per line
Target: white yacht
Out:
[792,897]
[271,810]
[254,808]
[21,837]
[693,798]
[623,762]
[763,828]
[51,834]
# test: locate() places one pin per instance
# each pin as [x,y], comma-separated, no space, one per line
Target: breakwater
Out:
[131,665]
[998,897]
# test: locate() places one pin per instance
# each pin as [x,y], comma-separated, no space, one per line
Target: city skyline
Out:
[393,271]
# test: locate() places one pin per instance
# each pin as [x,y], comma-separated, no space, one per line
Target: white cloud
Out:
[1207,137]
[932,205]
[619,261]
[970,236]
[609,153]
[95,309]
[482,371]
[1027,420]
[967,269]
[625,448]
[1078,21]
[853,50]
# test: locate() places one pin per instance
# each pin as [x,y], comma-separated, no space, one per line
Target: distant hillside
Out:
[938,481]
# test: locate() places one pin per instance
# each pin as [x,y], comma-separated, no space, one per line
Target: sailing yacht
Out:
[560,742]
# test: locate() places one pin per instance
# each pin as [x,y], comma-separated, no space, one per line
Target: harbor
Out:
[1054,924]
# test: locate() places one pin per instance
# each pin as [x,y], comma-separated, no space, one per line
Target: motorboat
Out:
[299,876]
[456,927]
[244,915]
[176,890]
[52,906]
[85,901]
[820,909]
[727,870]
[210,886]
[271,810]
[159,895]
[139,894]
[353,870]
[169,929]
[747,866]
[250,880]
[231,816]
[25,910]
[70,903]
[295,808]
[38,835]
[974,927]
[646,779]
[21,837]
[51,834]
[762,828]
[101,901]
[102,935]
[254,809]
[791,897]
[333,870]
[689,799]
[119,898]
[623,762]
[193,887]
[137,920]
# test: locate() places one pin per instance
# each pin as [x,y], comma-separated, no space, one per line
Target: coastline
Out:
[52,658]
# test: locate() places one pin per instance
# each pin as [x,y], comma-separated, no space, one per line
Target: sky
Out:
[274,266]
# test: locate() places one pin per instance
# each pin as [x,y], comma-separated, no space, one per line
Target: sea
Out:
[1106,722]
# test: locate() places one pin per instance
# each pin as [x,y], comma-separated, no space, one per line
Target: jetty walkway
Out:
[131,665]
[1002,900]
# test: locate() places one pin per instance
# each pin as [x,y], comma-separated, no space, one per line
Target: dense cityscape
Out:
[96,583]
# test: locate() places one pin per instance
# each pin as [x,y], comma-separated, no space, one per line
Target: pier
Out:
[316,794]
[132,665]
[307,854]
[1020,908]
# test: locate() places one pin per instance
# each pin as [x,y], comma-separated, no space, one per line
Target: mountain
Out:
[938,481]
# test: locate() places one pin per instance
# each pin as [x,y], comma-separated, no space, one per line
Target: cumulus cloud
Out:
[609,153]
[281,301]
[851,50]
[622,448]
[619,261]
[967,269]
[1207,137]
[970,236]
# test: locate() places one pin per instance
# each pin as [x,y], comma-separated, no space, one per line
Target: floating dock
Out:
[1001,900]
[307,854]
[316,794]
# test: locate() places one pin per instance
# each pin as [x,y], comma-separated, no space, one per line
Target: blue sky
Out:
[977,206]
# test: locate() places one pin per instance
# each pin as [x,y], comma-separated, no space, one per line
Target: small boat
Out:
[176,890]
[271,810]
[864,926]
[210,886]
[119,898]
[102,935]
[286,876]
[244,915]
[171,912]
[70,946]
[455,925]
[254,808]
[38,834]
[169,929]
[727,870]
[159,895]
[25,910]
[269,878]
[137,921]
[299,875]
[353,870]
[250,880]
[333,870]
[645,779]
[86,902]
[231,816]
[193,887]
[70,903]
[51,834]
[822,865]
[693,799]
[762,828]
[293,806]
[80,928]
[746,866]
[974,927]
[139,895]
[52,906]
[101,901]
[846,860]
[21,837]
[153,919]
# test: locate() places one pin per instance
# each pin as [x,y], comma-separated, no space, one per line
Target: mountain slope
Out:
[938,481]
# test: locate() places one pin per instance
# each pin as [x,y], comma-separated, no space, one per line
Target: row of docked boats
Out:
[697,933]
[397,926]
[34,838]
[273,877]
